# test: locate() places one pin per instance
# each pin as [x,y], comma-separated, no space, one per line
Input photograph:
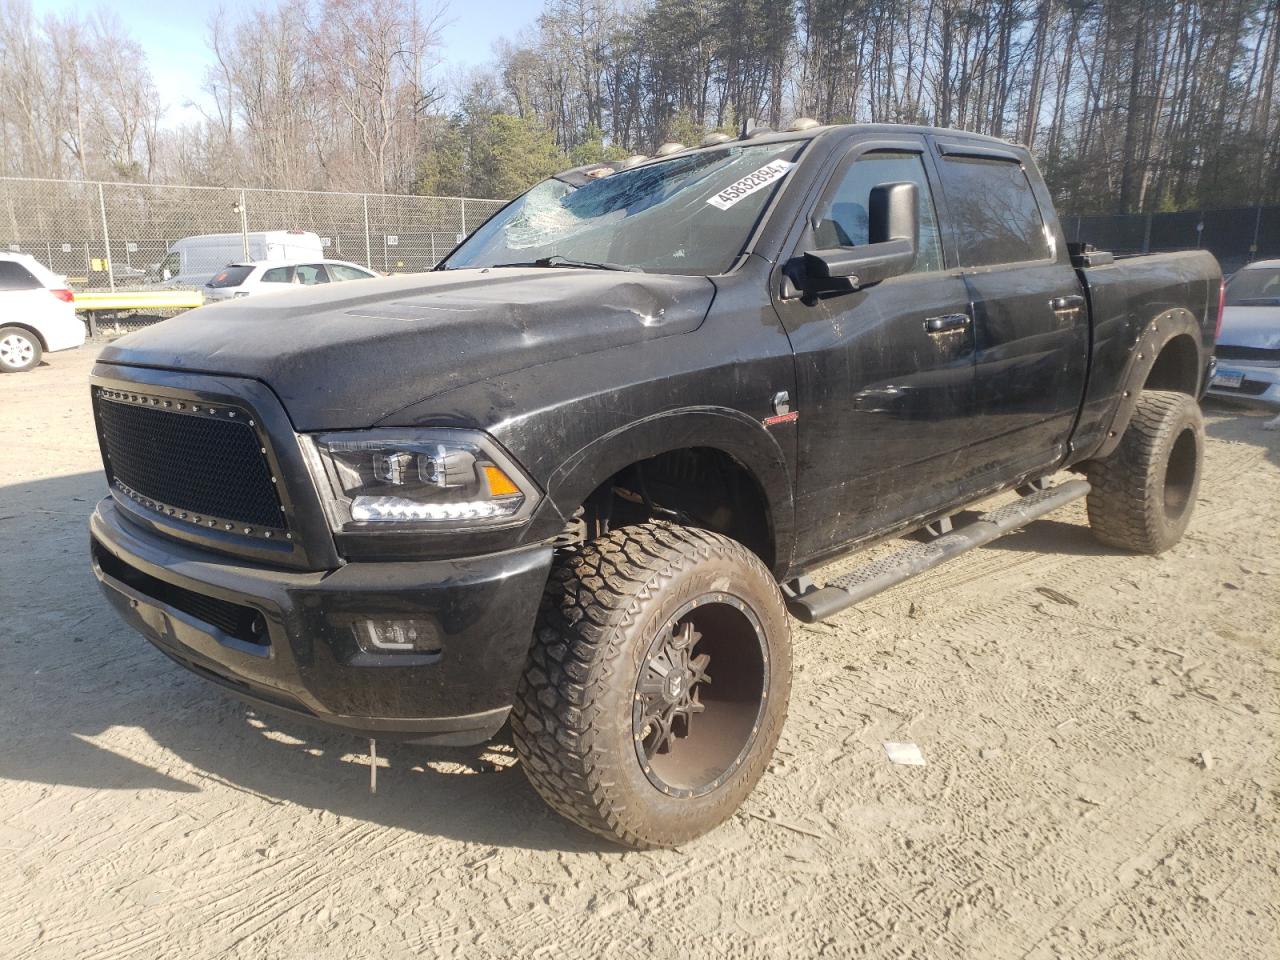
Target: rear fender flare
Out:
[1143,354]
[732,432]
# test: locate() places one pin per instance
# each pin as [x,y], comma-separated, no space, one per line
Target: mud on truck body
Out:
[580,476]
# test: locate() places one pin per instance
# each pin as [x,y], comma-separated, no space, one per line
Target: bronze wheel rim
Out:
[700,695]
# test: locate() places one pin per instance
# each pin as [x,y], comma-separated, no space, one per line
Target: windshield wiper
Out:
[555,260]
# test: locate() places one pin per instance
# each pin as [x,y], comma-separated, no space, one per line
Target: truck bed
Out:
[1124,298]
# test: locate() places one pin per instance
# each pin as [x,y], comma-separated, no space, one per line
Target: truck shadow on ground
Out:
[77,686]
[1048,535]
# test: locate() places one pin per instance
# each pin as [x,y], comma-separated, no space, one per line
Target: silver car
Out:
[237,280]
[1248,350]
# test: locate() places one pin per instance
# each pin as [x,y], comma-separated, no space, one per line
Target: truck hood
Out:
[350,355]
[1251,327]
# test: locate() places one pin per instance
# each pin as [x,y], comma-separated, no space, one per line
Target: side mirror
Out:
[893,232]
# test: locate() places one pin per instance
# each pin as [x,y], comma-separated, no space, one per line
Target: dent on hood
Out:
[345,362]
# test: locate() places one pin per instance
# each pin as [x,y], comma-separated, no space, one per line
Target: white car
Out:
[246,279]
[1248,350]
[191,261]
[37,313]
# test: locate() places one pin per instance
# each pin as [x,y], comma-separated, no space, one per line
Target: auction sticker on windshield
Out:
[749,184]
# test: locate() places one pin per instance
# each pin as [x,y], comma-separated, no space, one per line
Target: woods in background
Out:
[1131,105]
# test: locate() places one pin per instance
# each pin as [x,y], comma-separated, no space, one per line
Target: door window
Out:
[997,219]
[310,273]
[278,275]
[340,271]
[841,218]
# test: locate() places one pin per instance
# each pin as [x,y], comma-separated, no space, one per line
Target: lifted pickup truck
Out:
[578,477]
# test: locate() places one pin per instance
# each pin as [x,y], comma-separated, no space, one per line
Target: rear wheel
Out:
[657,684]
[19,349]
[1144,492]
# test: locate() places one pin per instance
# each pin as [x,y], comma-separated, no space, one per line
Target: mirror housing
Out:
[893,232]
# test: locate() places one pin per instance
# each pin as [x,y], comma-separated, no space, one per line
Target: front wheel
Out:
[19,350]
[1144,492]
[657,684]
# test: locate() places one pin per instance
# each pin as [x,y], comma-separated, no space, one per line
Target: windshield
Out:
[691,214]
[170,266]
[1255,288]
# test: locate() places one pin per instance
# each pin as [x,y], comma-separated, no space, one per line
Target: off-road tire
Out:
[9,335]
[1145,491]
[572,719]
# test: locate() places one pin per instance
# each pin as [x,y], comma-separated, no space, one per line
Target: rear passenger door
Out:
[1031,325]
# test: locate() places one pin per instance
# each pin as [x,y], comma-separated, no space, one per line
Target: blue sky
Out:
[174,35]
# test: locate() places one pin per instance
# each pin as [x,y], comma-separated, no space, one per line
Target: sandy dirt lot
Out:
[1100,733]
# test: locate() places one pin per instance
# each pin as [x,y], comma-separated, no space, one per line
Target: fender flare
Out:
[730,431]
[1146,349]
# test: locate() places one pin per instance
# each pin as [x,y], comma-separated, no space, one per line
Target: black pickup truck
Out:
[578,477]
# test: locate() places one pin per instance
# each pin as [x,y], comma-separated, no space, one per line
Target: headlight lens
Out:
[433,478]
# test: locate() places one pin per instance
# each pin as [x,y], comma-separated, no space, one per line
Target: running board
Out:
[818,603]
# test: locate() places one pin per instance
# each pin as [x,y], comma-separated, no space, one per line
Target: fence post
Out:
[1146,236]
[106,238]
[1257,230]
[244,225]
[368,252]
[463,202]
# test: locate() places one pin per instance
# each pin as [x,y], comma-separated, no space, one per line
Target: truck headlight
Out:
[430,478]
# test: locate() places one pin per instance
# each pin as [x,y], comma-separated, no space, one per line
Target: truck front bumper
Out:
[285,640]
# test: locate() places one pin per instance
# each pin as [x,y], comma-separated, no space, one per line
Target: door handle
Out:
[947,322]
[1066,304]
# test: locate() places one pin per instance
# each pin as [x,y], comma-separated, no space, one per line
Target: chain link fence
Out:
[114,235]
[1236,236]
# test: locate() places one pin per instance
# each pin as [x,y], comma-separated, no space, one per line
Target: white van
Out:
[193,261]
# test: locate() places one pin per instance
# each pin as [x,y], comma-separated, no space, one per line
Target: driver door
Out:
[884,374]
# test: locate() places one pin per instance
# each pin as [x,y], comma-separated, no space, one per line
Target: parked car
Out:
[193,261]
[245,279]
[578,477]
[37,313]
[1248,348]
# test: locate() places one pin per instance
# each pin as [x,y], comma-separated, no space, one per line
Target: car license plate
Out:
[1228,378]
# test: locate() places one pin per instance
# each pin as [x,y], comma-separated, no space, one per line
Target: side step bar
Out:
[818,603]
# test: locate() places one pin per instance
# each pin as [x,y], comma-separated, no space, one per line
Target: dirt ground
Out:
[1100,732]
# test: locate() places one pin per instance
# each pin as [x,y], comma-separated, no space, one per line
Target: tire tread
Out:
[1123,506]
[595,590]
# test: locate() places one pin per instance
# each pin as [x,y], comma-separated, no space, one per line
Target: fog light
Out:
[387,636]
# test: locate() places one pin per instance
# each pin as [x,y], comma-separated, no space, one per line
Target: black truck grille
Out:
[203,464]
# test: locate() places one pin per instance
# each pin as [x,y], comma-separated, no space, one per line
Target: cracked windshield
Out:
[690,215]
